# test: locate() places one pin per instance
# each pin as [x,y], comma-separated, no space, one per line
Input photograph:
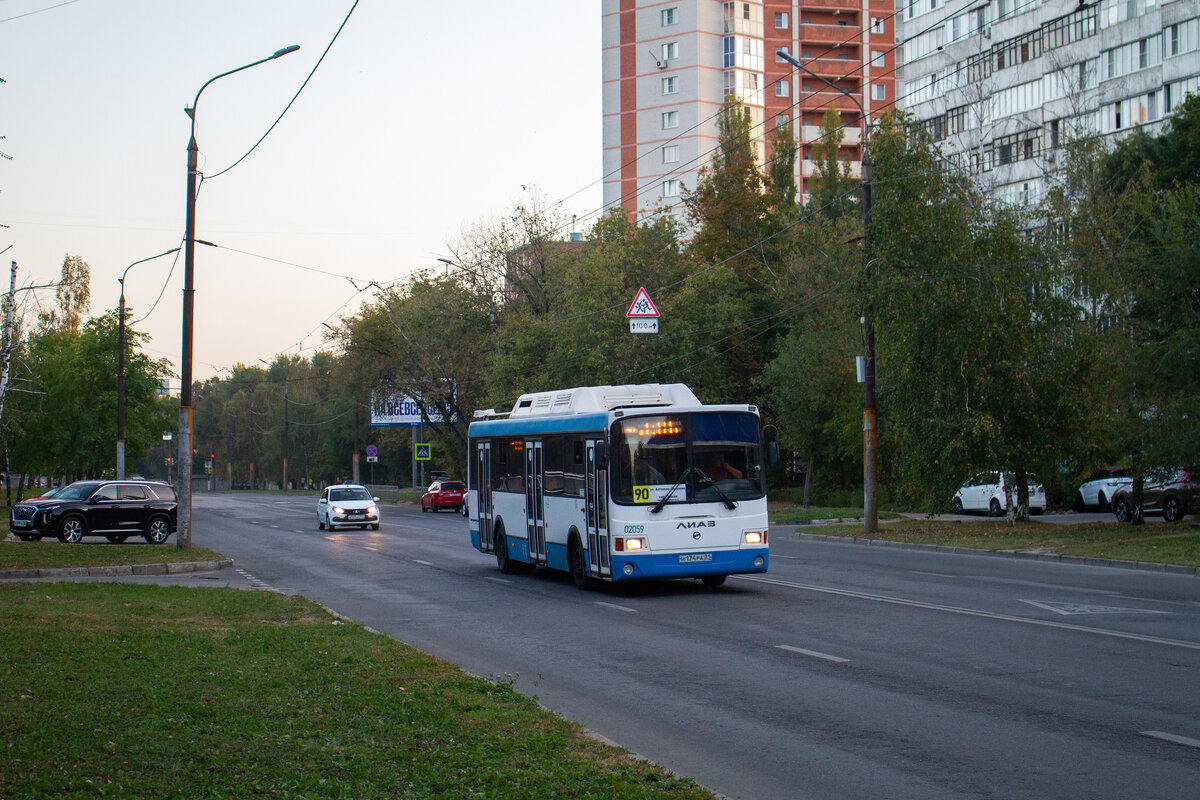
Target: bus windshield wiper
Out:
[663,500]
[728,503]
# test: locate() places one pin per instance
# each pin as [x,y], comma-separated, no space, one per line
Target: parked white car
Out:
[1101,486]
[985,492]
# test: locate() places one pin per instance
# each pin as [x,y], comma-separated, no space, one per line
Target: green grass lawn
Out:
[1164,543]
[133,691]
[791,514]
[95,552]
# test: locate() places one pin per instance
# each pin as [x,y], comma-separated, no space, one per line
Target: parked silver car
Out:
[1171,495]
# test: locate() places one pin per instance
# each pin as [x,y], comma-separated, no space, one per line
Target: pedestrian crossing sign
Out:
[422,451]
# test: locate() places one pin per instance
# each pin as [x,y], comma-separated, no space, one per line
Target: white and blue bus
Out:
[616,483]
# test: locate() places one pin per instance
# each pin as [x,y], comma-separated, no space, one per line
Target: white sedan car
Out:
[985,492]
[347,504]
[1101,486]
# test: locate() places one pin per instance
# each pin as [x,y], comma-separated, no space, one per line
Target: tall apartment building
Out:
[668,67]
[1002,84]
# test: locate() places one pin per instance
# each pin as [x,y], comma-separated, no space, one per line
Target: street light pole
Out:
[184,536]
[870,418]
[121,364]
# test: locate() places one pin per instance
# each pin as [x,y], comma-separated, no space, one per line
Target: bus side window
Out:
[516,466]
[573,467]
[499,466]
[552,466]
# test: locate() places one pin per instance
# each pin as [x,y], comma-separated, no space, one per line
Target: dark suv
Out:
[113,509]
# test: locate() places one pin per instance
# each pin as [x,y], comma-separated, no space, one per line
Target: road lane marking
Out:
[499,580]
[427,563]
[372,549]
[626,609]
[1170,737]
[1072,609]
[1017,582]
[971,612]
[813,653]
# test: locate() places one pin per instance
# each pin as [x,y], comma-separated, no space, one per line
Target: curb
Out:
[118,571]
[1089,561]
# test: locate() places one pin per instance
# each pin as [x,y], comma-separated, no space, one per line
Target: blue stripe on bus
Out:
[585,423]
[667,565]
[650,565]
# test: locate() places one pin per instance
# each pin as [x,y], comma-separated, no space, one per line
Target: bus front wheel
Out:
[503,562]
[579,572]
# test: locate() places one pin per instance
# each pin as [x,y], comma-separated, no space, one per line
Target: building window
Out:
[670,50]
[670,188]
[877,58]
[877,24]
[778,58]
[670,119]
[783,120]
[670,153]
[783,89]
[781,20]
[670,16]
[670,85]
[878,91]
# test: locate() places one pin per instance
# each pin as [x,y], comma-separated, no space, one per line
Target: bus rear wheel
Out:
[579,573]
[713,580]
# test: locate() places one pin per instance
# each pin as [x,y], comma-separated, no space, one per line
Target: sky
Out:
[422,120]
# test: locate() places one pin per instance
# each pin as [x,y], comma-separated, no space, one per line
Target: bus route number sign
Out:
[650,494]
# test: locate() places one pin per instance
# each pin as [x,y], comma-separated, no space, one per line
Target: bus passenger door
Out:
[535,517]
[599,563]
[483,468]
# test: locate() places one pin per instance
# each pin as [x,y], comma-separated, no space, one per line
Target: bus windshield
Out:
[707,457]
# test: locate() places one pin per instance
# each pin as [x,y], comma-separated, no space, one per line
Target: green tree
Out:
[977,349]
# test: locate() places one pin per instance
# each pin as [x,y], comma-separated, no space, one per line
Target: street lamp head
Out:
[285,50]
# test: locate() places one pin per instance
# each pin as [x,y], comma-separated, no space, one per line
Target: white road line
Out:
[970,612]
[372,549]
[499,580]
[427,563]
[813,653]
[1170,737]
[626,609]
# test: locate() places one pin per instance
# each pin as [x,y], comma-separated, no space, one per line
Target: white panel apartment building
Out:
[663,86]
[1001,84]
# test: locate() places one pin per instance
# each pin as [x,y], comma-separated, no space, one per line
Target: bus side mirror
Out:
[601,456]
[773,454]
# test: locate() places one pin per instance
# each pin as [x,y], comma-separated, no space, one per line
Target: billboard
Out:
[400,411]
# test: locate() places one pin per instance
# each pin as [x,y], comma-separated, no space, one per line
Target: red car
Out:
[444,494]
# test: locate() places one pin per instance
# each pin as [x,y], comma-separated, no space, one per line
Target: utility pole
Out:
[285,432]
[354,459]
[870,418]
[9,336]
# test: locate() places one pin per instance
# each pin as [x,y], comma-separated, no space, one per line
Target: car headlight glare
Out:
[755,537]
[372,510]
[339,510]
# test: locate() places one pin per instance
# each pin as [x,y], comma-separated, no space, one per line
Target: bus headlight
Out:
[755,537]
[634,543]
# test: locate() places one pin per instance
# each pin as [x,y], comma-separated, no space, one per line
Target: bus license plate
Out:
[691,558]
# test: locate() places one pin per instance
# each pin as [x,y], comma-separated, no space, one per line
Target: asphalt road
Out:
[846,671]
